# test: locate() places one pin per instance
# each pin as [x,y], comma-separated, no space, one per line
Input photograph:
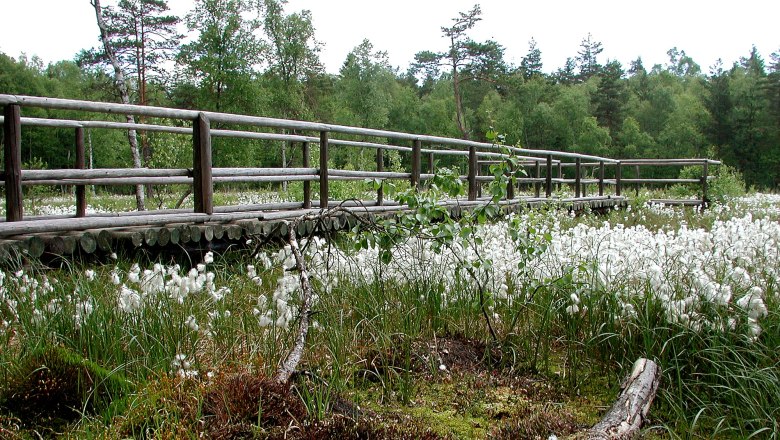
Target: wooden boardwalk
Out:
[559,177]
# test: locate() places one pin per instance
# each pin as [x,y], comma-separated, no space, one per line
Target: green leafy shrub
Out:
[728,183]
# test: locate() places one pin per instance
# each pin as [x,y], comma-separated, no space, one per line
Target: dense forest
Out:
[253,57]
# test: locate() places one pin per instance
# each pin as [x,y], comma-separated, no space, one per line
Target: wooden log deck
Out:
[207,224]
[266,222]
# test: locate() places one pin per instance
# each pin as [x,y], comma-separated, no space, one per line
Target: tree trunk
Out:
[121,85]
[458,100]
[294,356]
[629,411]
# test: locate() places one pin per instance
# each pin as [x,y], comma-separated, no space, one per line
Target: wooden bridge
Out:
[204,223]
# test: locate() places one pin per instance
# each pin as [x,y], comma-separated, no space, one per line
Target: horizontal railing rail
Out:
[540,165]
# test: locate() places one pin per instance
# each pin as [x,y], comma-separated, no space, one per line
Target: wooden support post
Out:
[479,183]
[380,167]
[537,175]
[306,184]
[585,184]
[510,187]
[203,185]
[12,128]
[618,179]
[560,174]
[472,173]
[430,163]
[323,170]
[704,183]
[577,177]
[601,178]
[416,163]
[81,194]
[548,178]
[636,169]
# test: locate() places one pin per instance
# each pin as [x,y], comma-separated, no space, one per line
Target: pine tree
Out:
[610,97]
[531,64]
[587,58]
[466,59]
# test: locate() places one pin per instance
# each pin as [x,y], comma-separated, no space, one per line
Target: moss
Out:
[54,386]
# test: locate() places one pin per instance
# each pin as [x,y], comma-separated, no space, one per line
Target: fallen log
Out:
[625,418]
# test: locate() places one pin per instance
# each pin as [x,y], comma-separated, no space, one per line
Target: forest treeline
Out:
[253,57]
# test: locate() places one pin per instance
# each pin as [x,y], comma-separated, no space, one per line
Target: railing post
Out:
[12,127]
[380,167]
[618,179]
[472,173]
[81,193]
[510,187]
[577,177]
[585,184]
[560,175]
[430,163]
[202,182]
[306,183]
[537,175]
[704,183]
[416,163]
[548,177]
[323,170]
[636,169]
[601,178]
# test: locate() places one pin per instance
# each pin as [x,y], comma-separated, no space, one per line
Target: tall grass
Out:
[551,316]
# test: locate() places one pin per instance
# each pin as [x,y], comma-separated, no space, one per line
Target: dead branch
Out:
[628,413]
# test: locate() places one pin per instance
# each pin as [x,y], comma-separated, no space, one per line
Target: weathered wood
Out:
[203,186]
[625,418]
[116,221]
[195,234]
[163,236]
[416,163]
[219,231]
[560,175]
[150,236]
[323,169]
[704,183]
[33,246]
[12,156]
[548,177]
[577,178]
[175,234]
[430,163]
[537,175]
[637,180]
[380,167]
[60,244]
[601,178]
[63,174]
[81,194]
[88,242]
[208,232]
[103,239]
[234,231]
[307,184]
[510,186]
[618,179]
[369,174]
[184,233]
[160,112]
[472,173]
[134,237]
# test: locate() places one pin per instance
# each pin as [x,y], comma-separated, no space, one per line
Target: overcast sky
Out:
[707,30]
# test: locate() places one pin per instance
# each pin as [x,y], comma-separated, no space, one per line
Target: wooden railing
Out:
[202,176]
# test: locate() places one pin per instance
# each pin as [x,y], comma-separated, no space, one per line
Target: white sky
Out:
[706,30]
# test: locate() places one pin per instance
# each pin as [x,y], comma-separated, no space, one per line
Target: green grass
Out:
[371,346]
